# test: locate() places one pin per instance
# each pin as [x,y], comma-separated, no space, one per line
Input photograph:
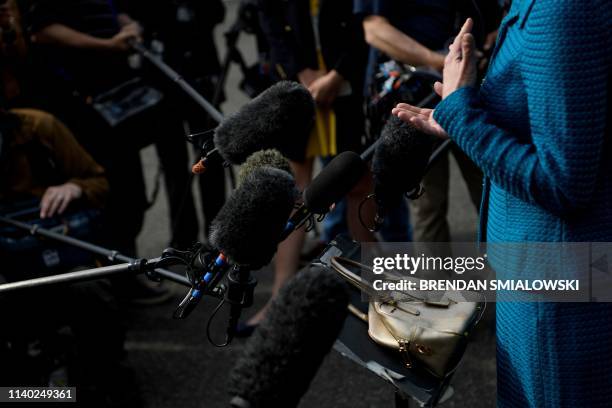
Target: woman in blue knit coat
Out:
[538,128]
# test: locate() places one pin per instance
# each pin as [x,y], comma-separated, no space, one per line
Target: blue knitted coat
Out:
[538,128]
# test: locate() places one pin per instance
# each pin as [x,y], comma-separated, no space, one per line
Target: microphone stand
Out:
[131,265]
[89,274]
[204,269]
[179,80]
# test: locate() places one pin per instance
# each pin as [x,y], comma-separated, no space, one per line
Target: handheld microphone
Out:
[334,182]
[399,164]
[279,118]
[269,157]
[282,356]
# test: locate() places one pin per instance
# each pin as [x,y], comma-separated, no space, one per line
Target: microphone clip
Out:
[209,155]
[382,207]
[203,269]
[239,295]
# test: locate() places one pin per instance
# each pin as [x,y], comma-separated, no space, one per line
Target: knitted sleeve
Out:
[565,66]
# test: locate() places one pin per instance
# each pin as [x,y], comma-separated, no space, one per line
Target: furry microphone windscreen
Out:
[283,355]
[334,182]
[279,118]
[248,227]
[401,158]
[269,157]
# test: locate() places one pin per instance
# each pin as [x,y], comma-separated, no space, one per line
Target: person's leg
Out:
[430,224]
[355,197]
[335,222]
[396,226]
[288,255]
[212,193]
[173,156]
[212,183]
[127,201]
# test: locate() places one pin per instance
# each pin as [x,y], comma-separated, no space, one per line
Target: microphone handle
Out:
[239,295]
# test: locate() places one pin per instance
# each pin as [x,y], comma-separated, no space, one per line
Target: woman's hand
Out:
[459,70]
[460,64]
[420,118]
[57,198]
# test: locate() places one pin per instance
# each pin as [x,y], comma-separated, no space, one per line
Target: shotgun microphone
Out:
[269,157]
[247,230]
[334,181]
[282,356]
[245,233]
[399,164]
[279,118]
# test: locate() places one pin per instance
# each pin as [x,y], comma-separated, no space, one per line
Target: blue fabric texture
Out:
[538,129]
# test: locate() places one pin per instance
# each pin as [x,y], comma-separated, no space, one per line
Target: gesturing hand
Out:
[420,118]
[460,64]
[56,199]
[459,70]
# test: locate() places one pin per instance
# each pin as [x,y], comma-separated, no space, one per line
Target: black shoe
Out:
[244,330]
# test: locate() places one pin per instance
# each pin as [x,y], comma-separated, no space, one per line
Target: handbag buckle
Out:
[403,350]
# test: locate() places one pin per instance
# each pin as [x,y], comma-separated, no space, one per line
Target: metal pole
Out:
[69,277]
[111,255]
[180,81]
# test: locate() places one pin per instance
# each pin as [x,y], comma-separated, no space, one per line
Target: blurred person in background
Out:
[416,33]
[41,158]
[70,335]
[182,32]
[319,44]
[81,49]
[16,80]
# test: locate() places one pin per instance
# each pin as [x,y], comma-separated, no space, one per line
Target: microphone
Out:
[247,230]
[248,226]
[399,164]
[334,182]
[279,118]
[282,356]
[269,157]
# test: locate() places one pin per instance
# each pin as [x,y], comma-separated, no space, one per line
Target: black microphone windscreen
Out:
[248,227]
[284,353]
[269,157]
[281,118]
[334,182]
[400,159]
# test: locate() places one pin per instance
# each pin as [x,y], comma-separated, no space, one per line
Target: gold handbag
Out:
[433,332]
